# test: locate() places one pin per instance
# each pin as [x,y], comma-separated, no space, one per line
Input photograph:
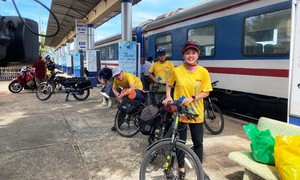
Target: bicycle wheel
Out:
[81,95]
[44,91]
[126,124]
[214,120]
[155,162]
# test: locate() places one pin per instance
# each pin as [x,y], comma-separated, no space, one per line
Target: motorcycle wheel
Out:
[44,91]
[82,95]
[15,87]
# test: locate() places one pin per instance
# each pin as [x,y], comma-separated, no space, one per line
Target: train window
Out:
[146,45]
[205,36]
[164,42]
[111,52]
[268,34]
[102,53]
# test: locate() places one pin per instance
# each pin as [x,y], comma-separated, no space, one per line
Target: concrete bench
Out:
[254,169]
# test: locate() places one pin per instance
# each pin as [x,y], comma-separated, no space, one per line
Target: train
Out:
[245,45]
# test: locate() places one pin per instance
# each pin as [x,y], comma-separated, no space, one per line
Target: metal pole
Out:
[293,96]
[91,36]
[75,45]
[126,14]
[68,48]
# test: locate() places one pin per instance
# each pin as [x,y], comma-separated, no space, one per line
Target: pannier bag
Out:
[129,106]
[148,119]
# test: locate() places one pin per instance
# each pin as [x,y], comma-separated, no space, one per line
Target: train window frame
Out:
[111,52]
[102,52]
[260,47]
[146,47]
[168,45]
[202,45]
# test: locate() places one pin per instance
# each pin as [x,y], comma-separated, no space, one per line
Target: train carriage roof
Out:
[199,9]
[117,36]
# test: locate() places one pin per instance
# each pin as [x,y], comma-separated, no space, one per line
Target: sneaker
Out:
[181,175]
[113,128]
[105,95]
[206,177]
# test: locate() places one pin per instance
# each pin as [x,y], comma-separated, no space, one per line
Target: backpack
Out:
[148,119]
[129,106]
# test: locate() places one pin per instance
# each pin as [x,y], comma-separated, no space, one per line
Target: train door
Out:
[294,89]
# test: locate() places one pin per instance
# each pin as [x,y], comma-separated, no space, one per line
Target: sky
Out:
[144,10]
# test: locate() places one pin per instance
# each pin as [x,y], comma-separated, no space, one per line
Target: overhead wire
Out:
[36,33]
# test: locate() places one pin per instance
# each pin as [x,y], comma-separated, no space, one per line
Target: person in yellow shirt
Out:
[128,82]
[193,82]
[125,80]
[160,70]
[50,66]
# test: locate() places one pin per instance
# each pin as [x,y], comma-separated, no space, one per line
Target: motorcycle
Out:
[24,80]
[79,87]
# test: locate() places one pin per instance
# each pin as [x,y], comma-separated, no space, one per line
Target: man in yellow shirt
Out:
[161,69]
[128,81]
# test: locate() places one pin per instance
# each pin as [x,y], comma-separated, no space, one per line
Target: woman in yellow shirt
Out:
[192,82]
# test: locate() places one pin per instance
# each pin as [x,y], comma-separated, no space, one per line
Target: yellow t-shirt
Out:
[188,85]
[48,73]
[162,70]
[127,80]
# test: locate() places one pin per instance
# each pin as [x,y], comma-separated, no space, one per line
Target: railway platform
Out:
[72,140]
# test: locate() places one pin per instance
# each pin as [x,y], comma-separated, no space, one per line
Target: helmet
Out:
[47,56]
[190,45]
[161,51]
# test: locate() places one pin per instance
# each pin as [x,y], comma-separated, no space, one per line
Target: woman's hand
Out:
[167,100]
[187,101]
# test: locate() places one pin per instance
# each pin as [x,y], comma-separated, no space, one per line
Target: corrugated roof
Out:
[67,11]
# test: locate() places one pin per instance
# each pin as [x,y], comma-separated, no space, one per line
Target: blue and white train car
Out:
[109,49]
[245,46]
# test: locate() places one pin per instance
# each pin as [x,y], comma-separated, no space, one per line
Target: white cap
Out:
[116,70]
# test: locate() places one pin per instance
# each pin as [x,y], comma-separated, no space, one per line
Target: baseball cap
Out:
[190,44]
[116,70]
[191,47]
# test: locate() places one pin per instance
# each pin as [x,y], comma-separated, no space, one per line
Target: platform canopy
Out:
[96,12]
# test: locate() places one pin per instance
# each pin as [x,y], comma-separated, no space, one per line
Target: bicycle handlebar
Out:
[182,109]
[214,83]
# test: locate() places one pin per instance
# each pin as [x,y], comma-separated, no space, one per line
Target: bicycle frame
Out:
[173,150]
[173,140]
[171,157]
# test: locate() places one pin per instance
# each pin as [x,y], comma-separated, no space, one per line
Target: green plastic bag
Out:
[262,144]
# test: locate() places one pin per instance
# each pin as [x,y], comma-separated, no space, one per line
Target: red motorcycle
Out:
[25,79]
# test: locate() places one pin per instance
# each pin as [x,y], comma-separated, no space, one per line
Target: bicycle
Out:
[214,120]
[127,124]
[163,157]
